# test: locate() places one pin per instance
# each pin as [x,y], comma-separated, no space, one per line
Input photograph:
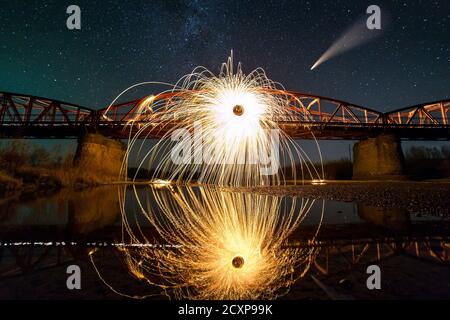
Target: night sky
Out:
[125,42]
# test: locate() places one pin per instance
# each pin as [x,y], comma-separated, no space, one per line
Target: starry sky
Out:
[125,42]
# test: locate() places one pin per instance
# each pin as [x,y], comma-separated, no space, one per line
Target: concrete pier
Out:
[100,155]
[380,157]
[390,218]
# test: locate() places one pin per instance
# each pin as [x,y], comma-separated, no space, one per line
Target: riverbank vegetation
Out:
[29,167]
[427,162]
[340,169]
[420,163]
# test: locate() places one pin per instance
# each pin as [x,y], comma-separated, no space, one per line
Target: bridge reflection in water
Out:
[41,237]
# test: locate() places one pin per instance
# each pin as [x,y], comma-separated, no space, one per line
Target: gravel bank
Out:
[416,197]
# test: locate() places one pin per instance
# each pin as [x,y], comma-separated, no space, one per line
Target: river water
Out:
[41,236]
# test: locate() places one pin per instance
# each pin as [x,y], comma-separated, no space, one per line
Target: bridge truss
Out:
[29,116]
[309,116]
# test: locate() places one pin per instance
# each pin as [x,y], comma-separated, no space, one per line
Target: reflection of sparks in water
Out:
[318,182]
[231,244]
[223,129]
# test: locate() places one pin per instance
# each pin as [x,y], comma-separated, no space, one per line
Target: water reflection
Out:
[91,210]
[228,245]
[392,218]
[67,215]
[256,246]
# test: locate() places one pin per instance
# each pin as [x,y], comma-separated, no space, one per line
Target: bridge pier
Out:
[100,155]
[389,218]
[380,157]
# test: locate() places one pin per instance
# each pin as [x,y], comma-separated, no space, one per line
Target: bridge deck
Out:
[298,130]
[309,117]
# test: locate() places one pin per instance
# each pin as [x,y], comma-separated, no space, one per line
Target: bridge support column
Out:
[389,218]
[99,155]
[378,158]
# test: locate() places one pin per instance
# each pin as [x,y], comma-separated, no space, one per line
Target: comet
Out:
[356,35]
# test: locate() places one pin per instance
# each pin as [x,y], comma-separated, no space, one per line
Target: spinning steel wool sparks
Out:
[224,245]
[220,130]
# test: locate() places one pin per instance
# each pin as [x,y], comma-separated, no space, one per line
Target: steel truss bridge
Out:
[24,116]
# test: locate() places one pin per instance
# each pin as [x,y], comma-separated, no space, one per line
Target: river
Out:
[326,245]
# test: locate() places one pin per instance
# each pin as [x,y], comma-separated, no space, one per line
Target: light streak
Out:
[318,182]
[160,183]
[358,34]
